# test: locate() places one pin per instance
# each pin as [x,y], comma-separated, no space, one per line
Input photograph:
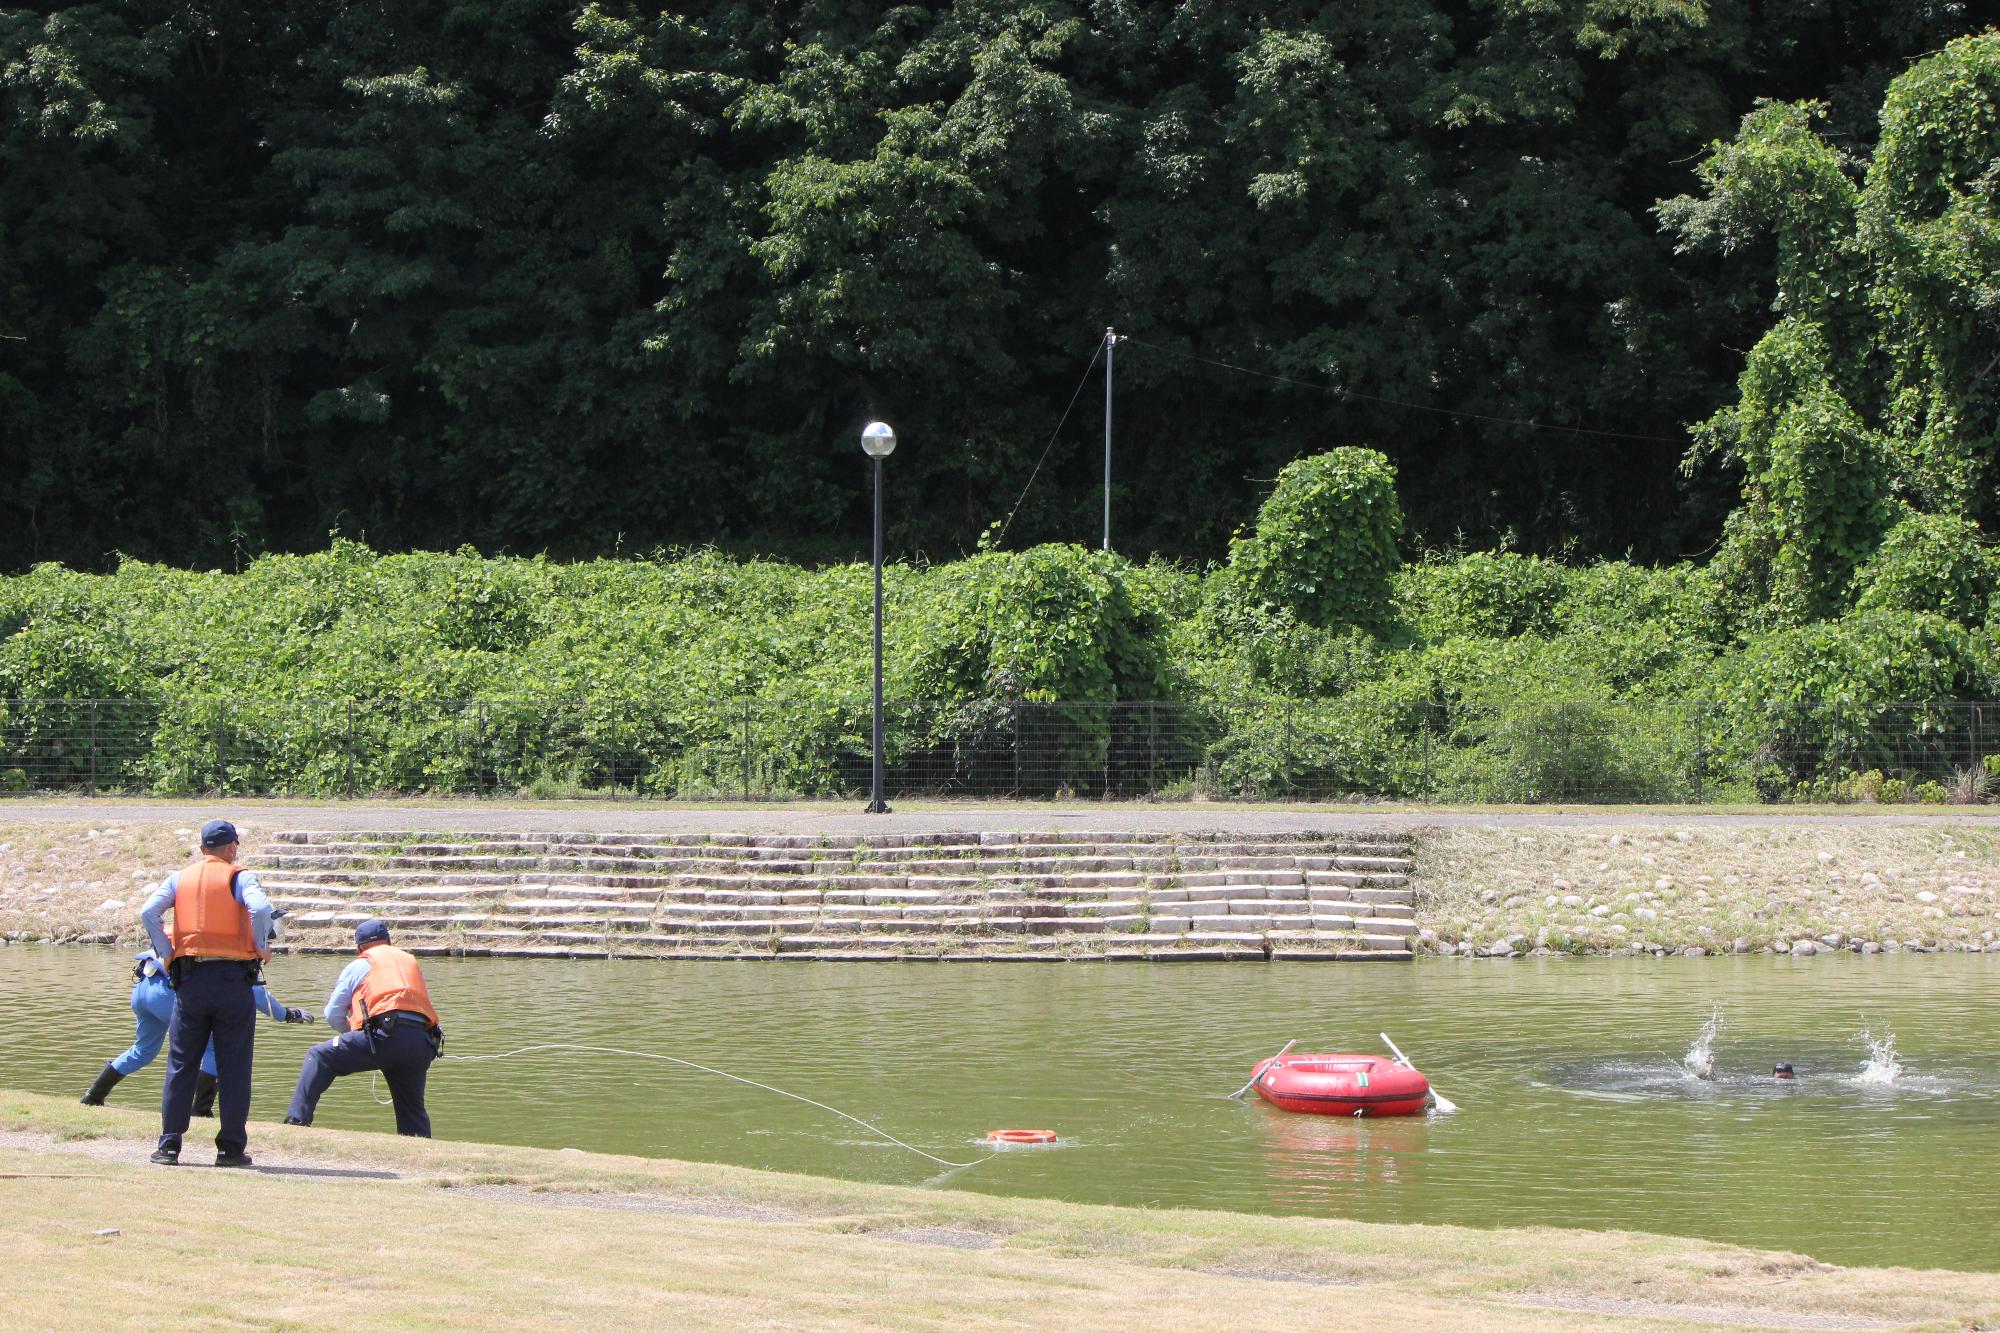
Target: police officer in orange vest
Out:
[384,1015]
[220,937]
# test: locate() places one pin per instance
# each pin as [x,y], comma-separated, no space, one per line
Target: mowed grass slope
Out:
[342,1229]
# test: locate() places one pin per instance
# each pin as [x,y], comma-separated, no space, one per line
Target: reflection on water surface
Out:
[1579,1107]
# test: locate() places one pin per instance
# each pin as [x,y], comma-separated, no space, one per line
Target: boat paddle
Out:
[1444,1104]
[1253,1078]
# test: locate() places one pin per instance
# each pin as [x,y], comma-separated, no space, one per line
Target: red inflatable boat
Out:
[1341,1085]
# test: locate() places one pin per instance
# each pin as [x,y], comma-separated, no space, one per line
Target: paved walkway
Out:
[806,818]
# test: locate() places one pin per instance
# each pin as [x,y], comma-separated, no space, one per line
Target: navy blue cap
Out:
[372,931]
[218,833]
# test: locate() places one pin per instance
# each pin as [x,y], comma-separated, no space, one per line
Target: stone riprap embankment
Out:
[1793,888]
[932,895]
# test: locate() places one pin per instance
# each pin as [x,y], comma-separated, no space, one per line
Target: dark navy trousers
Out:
[401,1050]
[212,1002]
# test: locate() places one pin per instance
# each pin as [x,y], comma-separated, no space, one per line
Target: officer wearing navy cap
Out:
[219,939]
[382,1010]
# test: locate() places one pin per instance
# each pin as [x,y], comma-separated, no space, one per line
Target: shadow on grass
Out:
[341,1173]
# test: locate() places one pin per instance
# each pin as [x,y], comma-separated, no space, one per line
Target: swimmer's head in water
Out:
[1782,1071]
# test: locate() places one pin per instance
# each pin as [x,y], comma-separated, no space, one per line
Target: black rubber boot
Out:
[204,1095]
[101,1089]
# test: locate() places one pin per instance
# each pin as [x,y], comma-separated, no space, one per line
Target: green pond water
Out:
[1576,1108]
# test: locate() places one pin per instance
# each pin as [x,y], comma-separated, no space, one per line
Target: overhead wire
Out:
[1396,402]
[1053,435]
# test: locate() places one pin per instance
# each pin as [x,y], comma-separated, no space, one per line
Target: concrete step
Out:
[835,843]
[1246,900]
[1320,946]
[1084,869]
[939,894]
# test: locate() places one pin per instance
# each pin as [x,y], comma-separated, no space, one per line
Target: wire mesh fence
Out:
[1473,751]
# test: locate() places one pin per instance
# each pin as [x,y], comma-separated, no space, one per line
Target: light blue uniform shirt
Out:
[153,1012]
[247,890]
[337,1004]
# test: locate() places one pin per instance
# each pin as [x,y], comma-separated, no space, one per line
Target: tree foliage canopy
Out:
[541,275]
[1877,388]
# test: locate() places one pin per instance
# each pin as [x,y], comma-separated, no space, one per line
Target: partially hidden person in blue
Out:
[152,1011]
[220,937]
[382,1010]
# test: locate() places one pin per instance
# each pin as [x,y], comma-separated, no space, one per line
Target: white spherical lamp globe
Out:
[877,440]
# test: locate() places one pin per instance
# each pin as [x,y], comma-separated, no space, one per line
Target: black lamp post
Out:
[878,442]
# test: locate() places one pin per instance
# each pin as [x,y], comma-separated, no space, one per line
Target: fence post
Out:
[1291,710]
[746,749]
[1015,709]
[1424,754]
[221,762]
[1152,748]
[1700,754]
[93,747]
[350,748]
[621,745]
[1110,746]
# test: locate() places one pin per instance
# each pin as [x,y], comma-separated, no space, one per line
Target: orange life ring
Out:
[1020,1136]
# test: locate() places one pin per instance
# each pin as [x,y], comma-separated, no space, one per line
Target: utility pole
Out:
[1111,341]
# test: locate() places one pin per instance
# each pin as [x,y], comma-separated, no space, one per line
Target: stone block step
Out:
[1322,947]
[904,895]
[1296,955]
[1001,837]
[791,863]
[1379,895]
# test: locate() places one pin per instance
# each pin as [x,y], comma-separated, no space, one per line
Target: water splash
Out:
[1882,1066]
[1700,1058]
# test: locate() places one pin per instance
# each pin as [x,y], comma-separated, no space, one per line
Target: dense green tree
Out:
[538,274]
[1876,386]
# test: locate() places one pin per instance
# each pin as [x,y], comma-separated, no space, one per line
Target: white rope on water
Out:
[722,1073]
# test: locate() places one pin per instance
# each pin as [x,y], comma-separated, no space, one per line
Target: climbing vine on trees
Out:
[1878,384]
[1325,543]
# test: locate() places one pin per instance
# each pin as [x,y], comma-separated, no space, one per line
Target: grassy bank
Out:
[460,1235]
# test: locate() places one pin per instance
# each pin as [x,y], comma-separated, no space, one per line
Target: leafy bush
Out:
[1844,696]
[1540,722]
[1527,750]
[1856,663]
[1488,594]
[1369,744]
[1930,562]
[1615,600]
[49,659]
[697,674]
[1054,622]
[1325,544]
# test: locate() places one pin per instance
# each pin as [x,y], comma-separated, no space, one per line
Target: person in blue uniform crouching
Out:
[383,1013]
[152,1011]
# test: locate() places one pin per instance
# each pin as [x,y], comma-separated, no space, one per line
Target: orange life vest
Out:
[208,921]
[393,983]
